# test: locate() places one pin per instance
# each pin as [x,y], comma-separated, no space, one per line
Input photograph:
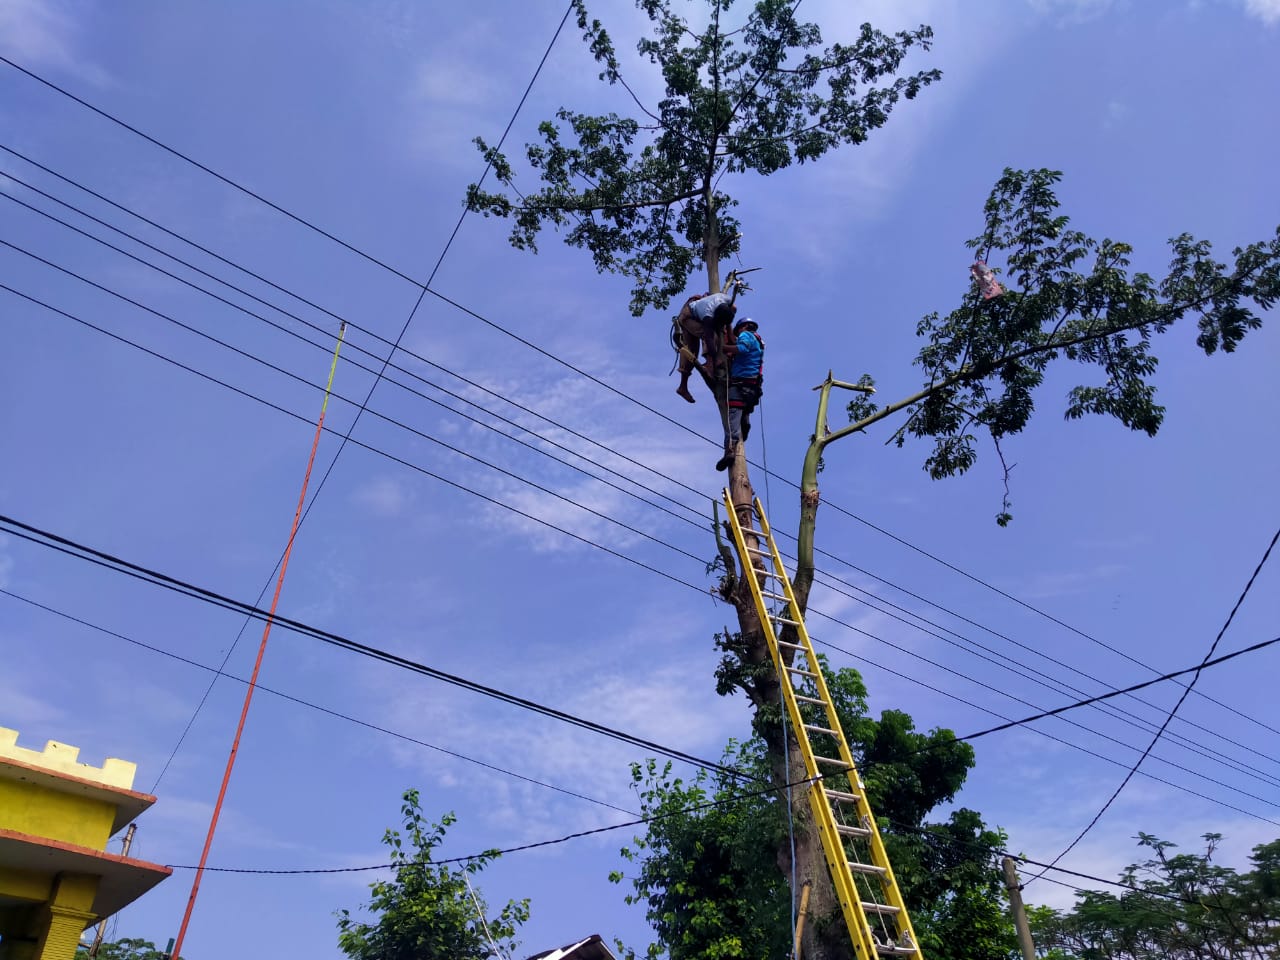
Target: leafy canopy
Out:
[427,911]
[1067,296]
[128,948]
[1180,906]
[643,195]
[713,882]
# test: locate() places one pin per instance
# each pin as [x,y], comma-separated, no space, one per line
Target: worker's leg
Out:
[690,340]
[733,428]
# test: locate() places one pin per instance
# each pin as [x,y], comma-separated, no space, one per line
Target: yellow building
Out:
[56,878]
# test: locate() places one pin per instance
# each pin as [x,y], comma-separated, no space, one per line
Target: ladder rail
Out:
[843,871]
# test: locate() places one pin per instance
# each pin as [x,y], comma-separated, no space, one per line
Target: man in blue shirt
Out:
[702,323]
[746,384]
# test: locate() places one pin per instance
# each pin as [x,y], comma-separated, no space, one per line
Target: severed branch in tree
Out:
[1069,297]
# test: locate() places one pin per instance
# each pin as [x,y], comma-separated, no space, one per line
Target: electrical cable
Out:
[338,715]
[254,357]
[426,289]
[363,406]
[65,545]
[690,555]
[1181,699]
[101,558]
[1183,741]
[692,586]
[1186,744]
[923,830]
[403,330]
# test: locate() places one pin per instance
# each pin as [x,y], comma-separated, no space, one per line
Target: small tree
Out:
[128,948]
[428,911]
[644,196]
[1181,906]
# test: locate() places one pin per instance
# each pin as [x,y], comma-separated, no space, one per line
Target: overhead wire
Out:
[311,705]
[394,346]
[425,287]
[923,830]
[1181,699]
[1183,741]
[694,557]
[1231,764]
[70,547]
[948,694]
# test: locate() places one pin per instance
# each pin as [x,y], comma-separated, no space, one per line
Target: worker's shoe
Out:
[723,462]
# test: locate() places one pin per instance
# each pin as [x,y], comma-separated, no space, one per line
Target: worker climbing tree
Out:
[751,89]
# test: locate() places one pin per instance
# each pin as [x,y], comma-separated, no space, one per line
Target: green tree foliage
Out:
[1071,297]
[754,96]
[427,911]
[713,884]
[129,948]
[1181,907]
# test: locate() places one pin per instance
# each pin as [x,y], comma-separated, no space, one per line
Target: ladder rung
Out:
[893,950]
[868,868]
[847,831]
[791,646]
[818,729]
[834,762]
[803,673]
[803,699]
[768,573]
[777,619]
[841,795]
[774,596]
[759,553]
[884,909]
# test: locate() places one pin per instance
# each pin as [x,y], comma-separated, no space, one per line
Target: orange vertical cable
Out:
[262,649]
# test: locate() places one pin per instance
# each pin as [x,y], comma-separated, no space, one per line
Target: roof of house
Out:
[592,948]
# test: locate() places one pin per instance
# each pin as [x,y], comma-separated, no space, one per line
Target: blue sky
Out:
[359,116]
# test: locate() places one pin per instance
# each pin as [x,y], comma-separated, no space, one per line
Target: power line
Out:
[1215,755]
[818,612]
[653,569]
[378,379]
[99,558]
[1146,724]
[1026,721]
[425,288]
[1207,657]
[337,714]
[923,830]
[65,545]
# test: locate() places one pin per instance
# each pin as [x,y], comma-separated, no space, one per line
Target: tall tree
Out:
[648,198]
[428,910]
[706,869]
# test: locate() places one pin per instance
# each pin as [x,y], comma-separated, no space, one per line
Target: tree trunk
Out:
[711,240]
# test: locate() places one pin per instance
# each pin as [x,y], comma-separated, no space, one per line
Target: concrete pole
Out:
[1019,913]
[102,927]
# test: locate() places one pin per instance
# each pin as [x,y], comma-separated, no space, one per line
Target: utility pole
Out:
[102,927]
[1019,913]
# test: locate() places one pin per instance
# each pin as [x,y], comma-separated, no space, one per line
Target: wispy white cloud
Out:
[1069,12]
[384,496]
[1268,11]
[44,34]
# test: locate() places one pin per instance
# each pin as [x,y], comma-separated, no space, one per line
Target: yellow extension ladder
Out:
[873,908]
